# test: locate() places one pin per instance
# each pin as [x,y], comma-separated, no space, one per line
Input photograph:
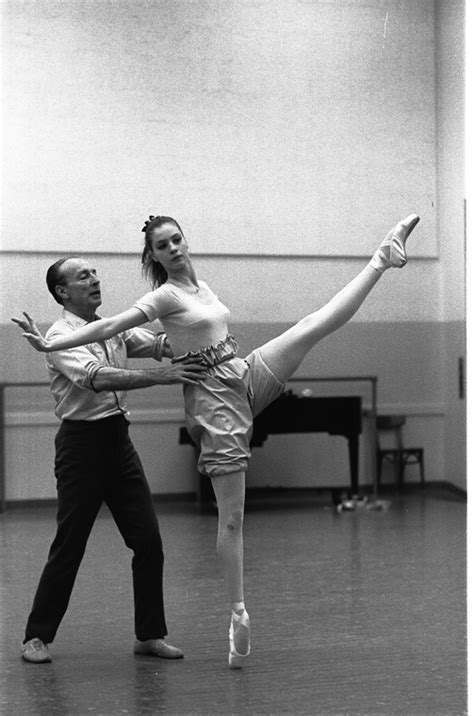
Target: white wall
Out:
[451,195]
[273,289]
[264,126]
[81,150]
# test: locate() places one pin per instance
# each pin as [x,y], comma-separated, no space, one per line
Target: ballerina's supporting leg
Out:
[284,354]
[230,496]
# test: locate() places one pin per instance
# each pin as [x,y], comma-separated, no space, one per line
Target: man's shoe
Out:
[36,652]
[157,647]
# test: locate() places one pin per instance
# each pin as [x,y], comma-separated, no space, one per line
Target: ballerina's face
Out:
[169,247]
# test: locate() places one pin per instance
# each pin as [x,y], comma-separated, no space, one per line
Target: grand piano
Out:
[299,414]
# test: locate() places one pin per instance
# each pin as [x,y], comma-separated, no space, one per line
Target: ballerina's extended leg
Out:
[284,354]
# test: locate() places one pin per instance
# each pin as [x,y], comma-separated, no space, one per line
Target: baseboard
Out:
[174,497]
[30,504]
[446,486]
[167,497]
[280,494]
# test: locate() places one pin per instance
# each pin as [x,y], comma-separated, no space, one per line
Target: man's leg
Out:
[129,500]
[79,500]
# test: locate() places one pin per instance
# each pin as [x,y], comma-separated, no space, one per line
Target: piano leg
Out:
[353,441]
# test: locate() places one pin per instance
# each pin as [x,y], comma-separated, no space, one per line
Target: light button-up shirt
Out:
[72,371]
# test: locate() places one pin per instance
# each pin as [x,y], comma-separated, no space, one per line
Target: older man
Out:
[96,461]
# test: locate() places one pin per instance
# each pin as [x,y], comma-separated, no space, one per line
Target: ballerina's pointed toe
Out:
[396,239]
[391,252]
[239,632]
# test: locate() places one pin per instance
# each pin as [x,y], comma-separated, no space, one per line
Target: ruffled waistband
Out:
[212,355]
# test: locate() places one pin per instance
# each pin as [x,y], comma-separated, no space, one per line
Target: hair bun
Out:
[150,218]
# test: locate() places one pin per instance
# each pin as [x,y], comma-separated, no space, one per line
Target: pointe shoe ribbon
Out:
[239,630]
[391,252]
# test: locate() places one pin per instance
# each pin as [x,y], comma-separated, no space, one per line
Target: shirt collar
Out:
[75,321]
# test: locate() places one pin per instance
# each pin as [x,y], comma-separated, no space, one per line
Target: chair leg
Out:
[401,472]
[379,469]
[398,465]
[422,470]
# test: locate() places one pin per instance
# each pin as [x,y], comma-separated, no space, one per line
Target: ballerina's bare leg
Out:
[284,354]
[230,496]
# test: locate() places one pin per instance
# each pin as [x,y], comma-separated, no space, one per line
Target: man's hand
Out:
[109,378]
[192,373]
[32,333]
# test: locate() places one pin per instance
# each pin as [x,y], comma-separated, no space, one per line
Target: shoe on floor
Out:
[157,647]
[35,651]
[239,629]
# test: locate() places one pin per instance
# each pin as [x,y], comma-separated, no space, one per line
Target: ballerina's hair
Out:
[154,270]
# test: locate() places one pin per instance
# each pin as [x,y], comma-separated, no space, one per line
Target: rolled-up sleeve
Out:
[78,365]
[143,343]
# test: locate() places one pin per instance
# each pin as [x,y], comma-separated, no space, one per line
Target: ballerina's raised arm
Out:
[94,331]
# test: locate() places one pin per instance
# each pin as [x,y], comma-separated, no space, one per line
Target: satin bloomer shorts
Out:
[220,410]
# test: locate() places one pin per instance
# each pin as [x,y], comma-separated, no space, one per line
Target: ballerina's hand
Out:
[32,333]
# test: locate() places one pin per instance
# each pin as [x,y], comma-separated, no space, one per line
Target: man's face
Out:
[80,287]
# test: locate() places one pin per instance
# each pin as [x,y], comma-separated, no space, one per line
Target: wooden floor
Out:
[352,613]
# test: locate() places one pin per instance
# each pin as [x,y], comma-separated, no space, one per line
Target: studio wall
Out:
[266,127]
[343,115]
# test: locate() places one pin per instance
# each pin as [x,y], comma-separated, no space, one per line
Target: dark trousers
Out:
[95,463]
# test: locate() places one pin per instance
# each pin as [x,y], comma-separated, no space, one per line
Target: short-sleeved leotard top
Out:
[193,319]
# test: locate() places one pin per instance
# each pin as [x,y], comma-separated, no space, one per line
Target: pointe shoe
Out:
[239,629]
[391,252]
